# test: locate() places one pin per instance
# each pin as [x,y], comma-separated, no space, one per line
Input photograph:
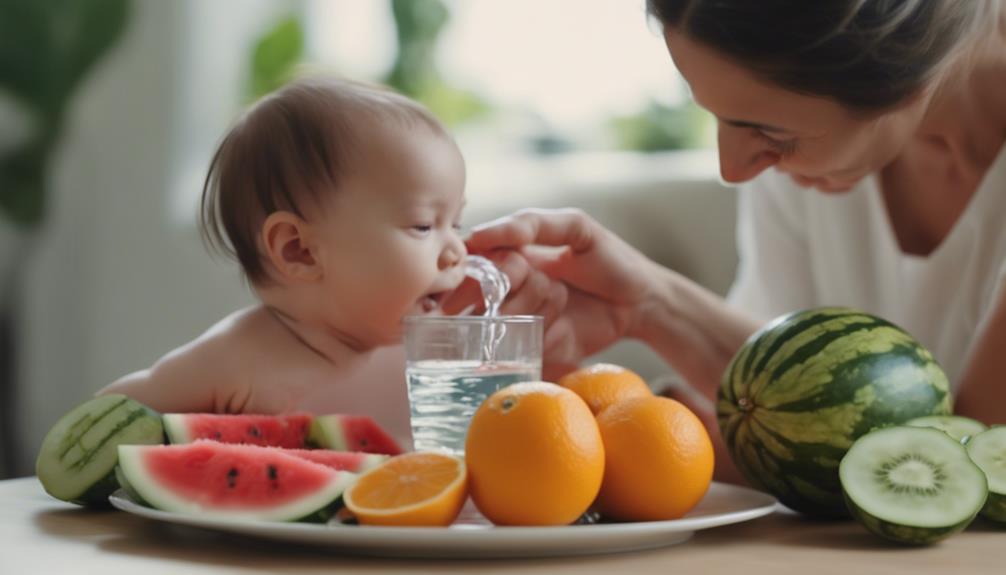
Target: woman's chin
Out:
[823,185]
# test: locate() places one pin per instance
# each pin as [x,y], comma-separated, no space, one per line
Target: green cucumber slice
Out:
[988,450]
[912,485]
[956,426]
[76,462]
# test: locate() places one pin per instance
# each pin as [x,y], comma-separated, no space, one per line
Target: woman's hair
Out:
[869,55]
[293,146]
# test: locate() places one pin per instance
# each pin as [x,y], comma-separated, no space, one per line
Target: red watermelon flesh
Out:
[354,461]
[242,481]
[288,431]
[343,432]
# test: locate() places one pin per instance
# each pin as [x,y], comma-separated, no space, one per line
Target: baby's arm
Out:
[246,363]
[174,384]
[208,374]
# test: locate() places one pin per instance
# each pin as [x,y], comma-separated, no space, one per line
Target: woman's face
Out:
[818,142]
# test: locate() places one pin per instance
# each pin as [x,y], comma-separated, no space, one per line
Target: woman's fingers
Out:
[539,295]
[531,291]
[564,227]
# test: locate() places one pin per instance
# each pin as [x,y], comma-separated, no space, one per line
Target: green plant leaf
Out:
[275,56]
[47,47]
[418,24]
[659,127]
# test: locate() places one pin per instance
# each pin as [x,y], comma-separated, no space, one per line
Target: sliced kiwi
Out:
[988,450]
[912,485]
[959,427]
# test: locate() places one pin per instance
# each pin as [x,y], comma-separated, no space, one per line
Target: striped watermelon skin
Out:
[802,389]
[77,459]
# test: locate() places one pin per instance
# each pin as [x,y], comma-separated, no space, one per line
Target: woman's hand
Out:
[605,283]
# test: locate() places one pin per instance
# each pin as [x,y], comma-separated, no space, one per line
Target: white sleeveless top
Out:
[811,249]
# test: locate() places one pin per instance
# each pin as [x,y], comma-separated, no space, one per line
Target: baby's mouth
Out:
[431,302]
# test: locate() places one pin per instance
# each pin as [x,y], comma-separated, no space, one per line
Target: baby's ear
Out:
[289,247]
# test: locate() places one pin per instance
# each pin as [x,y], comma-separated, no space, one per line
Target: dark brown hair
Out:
[869,55]
[293,146]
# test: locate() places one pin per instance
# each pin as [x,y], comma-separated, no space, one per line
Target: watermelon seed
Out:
[232,477]
[254,431]
[216,435]
[271,470]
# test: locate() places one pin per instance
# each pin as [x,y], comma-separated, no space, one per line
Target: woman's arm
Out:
[982,390]
[614,291]
[695,330]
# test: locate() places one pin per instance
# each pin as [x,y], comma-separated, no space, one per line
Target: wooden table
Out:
[39,534]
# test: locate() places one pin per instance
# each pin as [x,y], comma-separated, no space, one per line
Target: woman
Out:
[870,134]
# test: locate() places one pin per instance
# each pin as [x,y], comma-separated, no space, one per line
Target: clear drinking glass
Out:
[452,368]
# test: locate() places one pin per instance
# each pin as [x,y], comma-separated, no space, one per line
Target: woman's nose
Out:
[453,253]
[742,155]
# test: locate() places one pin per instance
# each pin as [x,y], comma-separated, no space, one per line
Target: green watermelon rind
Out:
[313,507]
[90,478]
[956,426]
[176,429]
[807,478]
[995,506]
[326,433]
[904,534]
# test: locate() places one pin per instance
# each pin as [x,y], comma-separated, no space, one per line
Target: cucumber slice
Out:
[988,450]
[956,426]
[76,462]
[912,485]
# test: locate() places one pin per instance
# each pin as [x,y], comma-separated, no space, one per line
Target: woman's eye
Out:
[781,147]
[457,227]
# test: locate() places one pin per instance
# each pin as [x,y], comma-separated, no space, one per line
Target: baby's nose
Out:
[453,254]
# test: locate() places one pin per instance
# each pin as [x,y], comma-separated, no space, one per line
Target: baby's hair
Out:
[293,146]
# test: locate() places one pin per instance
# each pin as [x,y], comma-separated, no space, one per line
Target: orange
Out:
[603,384]
[419,488]
[534,455]
[658,460]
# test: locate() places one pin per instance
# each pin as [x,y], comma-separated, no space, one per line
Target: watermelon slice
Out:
[231,481]
[76,462]
[354,461]
[288,431]
[343,432]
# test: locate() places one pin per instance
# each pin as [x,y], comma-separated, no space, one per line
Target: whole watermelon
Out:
[802,389]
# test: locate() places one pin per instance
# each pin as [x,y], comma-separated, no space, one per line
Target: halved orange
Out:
[413,489]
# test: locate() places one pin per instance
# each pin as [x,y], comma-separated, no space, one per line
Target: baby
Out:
[341,202]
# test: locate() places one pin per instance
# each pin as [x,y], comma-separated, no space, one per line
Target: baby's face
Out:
[391,234]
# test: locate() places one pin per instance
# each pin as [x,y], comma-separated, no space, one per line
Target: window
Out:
[532,90]
[529,76]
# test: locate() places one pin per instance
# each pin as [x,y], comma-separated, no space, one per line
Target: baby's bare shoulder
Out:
[196,375]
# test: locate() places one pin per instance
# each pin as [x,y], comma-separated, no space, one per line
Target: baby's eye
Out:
[423,229]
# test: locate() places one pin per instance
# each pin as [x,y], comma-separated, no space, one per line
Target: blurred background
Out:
[111,109]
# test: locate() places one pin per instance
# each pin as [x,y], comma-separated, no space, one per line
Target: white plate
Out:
[473,536]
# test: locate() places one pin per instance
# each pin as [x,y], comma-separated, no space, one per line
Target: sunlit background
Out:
[111,109]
